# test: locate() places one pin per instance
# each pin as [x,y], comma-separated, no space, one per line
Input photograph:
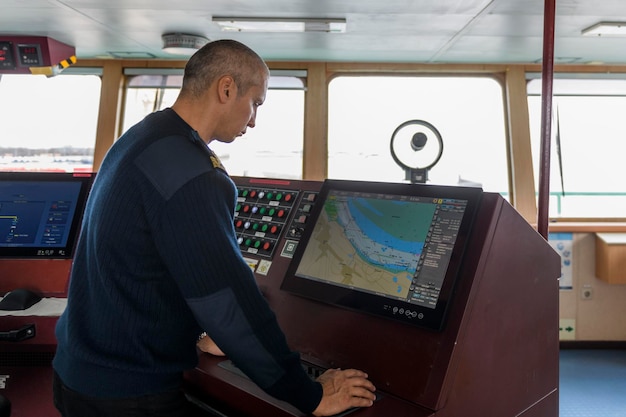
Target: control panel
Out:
[421,372]
[269,211]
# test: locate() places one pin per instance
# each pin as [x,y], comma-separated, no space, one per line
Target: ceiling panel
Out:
[496,31]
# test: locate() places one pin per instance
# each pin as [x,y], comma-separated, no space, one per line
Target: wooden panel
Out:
[29,388]
[108,115]
[47,276]
[506,356]
[44,338]
[520,155]
[611,257]
[315,147]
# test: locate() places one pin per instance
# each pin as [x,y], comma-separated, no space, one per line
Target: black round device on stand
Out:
[416,146]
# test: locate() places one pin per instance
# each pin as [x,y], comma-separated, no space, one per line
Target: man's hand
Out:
[344,390]
[206,344]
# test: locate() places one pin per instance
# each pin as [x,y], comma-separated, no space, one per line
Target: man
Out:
[157,264]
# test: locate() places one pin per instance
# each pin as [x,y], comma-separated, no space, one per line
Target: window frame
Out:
[534,90]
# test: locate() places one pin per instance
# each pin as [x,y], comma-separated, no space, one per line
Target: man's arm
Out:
[341,389]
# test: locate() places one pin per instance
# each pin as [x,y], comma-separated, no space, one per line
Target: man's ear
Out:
[225,87]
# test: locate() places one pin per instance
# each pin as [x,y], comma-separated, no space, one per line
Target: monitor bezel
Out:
[40,252]
[420,316]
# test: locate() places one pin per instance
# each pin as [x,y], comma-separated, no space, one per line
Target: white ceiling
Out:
[428,31]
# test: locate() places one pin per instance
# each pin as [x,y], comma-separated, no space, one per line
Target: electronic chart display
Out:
[392,250]
[40,213]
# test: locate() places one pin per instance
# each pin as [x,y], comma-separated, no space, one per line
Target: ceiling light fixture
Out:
[271,24]
[182,43]
[606,29]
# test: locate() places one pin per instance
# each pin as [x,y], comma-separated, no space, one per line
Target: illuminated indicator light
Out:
[269,196]
[240,240]
[255,209]
[238,223]
[246,225]
[272,211]
[281,213]
[279,196]
[274,229]
[263,210]
[266,246]
[244,193]
[248,242]
[252,193]
[288,197]
[264,228]
[261,194]
[255,226]
[246,209]
[257,244]
[238,207]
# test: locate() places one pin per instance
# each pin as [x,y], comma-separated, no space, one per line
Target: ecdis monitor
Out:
[392,250]
[40,213]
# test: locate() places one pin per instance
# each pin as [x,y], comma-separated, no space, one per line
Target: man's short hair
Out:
[219,58]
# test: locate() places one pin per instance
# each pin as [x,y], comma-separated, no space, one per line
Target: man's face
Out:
[242,113]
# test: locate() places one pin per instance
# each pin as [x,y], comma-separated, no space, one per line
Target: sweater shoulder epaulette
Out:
[170,162]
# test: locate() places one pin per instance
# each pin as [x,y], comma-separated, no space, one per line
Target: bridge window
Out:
[364,112]
[49,124]
[273,149]
[588,145]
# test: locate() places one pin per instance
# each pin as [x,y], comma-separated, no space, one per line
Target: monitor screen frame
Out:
[42,251]
[379,305]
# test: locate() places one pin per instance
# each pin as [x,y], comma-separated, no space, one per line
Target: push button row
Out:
[261,211]
[266,195]
[252,245]
[257,227]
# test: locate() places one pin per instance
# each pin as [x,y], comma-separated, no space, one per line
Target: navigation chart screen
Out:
[384,248]
[39,213]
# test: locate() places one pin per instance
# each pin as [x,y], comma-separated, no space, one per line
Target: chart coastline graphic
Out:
[362,244]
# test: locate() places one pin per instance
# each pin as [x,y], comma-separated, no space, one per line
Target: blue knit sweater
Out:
[156,264]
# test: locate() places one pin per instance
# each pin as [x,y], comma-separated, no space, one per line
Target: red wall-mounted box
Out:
[18,54]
